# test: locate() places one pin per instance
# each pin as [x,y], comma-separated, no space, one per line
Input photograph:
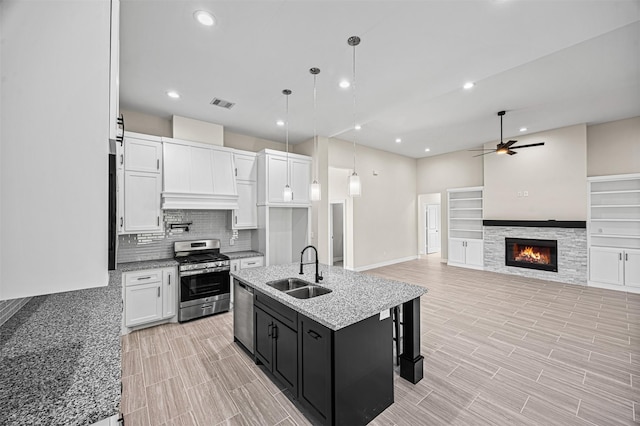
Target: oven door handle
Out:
[203,271]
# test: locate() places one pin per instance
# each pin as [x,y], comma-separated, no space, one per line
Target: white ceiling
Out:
[549,64]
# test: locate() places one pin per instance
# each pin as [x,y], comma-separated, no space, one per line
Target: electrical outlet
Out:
[526,193]
[232,242]
[519,193]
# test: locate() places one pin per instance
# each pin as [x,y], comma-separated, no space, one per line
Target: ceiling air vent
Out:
[222,103]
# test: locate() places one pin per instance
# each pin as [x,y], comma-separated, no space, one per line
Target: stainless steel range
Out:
[204,278]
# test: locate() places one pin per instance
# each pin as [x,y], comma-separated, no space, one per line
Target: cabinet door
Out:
[632,268]
[143,304]
[177,167]
[234,265]
[315,366]
[246,217]
[201,172]
[120,200]
[300,176]
[456,251]
[474,252]
[285,355]
[141,202]
[142,156]
[263,337]
[251,262]
[169,293]
[606,265]
[245,167]
[276,179]
[224,181]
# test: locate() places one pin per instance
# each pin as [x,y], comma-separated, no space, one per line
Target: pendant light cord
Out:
[353,83]
[315,126]
[287,93]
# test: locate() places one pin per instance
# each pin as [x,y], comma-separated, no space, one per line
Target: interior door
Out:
[433,228]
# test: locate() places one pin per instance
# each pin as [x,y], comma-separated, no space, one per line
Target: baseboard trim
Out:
[385,263]
[624,288]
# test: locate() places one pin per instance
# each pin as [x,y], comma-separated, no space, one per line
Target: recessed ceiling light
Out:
[344,84]
[523,129]
[398,140]
[468,85]
[173,94]
[358,127]
[427,150]
[280,123]
[205,18]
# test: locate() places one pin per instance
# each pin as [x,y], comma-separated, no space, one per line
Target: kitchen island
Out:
[334,352]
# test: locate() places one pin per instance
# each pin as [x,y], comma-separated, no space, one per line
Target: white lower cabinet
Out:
[244,263]
[614,266]
[149,296]
[466,252]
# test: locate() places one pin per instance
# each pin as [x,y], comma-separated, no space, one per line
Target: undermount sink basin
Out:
[288,284]
[308,292]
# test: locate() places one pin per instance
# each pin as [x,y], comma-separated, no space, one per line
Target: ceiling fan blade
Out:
[527,146]
[511,152]
[482,149]
[508,144]
[480,155]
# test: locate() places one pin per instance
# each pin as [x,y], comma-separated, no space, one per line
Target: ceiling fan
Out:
[505,147]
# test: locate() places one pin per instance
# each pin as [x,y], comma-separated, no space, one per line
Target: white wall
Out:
[554,176]
[385,216]
[441,172]
[613,148]
[139,122]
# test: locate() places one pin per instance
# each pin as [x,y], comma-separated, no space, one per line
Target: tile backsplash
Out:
[206,224]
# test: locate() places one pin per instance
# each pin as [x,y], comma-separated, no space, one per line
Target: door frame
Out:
[344,230]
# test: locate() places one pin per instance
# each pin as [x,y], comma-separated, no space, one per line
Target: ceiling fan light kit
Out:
[505,147]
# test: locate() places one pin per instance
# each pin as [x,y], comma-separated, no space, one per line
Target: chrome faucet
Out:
[319,277]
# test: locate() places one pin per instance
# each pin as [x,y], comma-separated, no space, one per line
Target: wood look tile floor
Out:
[499,350]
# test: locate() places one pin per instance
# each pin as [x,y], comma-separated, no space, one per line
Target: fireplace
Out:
[532,254]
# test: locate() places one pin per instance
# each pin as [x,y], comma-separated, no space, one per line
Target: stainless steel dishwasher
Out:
[243,314]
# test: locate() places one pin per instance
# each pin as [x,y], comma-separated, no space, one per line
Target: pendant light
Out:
[314,189]
[287,193]
[355,188]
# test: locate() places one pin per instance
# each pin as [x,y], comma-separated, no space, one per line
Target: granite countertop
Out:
[60,357]
[243,254]
[146,264]
[354,297]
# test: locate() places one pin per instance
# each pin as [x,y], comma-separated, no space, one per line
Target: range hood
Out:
[198,176]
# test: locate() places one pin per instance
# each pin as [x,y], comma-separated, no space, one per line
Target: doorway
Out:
[432,228]
[337,233]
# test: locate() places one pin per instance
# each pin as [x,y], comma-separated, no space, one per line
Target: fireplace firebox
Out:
[532,254]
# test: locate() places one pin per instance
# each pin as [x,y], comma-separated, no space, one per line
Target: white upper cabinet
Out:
[198,176]
[142,155]
[246,168]
[246,215]
[275,170]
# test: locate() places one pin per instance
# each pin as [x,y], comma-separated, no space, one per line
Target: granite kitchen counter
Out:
[242,254]
[146,264]
[354,297]
[60,358]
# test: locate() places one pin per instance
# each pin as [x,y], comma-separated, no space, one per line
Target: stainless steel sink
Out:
[288,284]
[308,292]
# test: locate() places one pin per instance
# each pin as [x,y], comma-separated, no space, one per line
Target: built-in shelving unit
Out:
[465,207]
[614,230]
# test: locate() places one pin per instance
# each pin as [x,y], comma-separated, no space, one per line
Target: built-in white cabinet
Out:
[466,244]
[198,176]
[613,228]
[275,170]
[149,296]
[139,184]
[246,215]
[245,263]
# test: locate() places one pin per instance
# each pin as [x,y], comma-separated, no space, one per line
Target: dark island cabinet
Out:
[345,376]
[276,343]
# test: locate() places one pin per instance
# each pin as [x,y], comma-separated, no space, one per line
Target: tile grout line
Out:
[525,404]
[578,408]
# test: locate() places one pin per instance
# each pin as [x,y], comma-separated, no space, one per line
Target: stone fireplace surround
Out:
[572,247]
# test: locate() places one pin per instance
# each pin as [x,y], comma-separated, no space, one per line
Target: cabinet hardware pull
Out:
[626,257]
[269,330]
[158,220]
[236,172]
[121,221]
[169,276]
[314,334]
[158,291]
[236,220]
[121,158]
[619,256]
[158,164]
[274,332]
[251,263]
[144,278]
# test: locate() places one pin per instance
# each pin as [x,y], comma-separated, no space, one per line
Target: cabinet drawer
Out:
[277,310]
[142,277]
[251,262]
